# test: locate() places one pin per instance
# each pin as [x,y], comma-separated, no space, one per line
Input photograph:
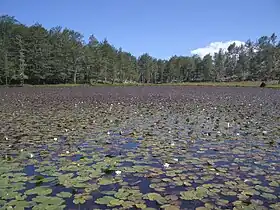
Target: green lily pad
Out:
[81,198]
[269,196]
[172,197]
[197,194]
[155,197]
[9,194]
[105,200]
[39,191]
[115,202]
[141,205]
[47,200]
[169,207]
[127,204]
[48,207]
[109,192]
[264,189]
[275,206]
[274,184]
[121,194]
[19,204]
[64,195]
[106,181]
[222,202]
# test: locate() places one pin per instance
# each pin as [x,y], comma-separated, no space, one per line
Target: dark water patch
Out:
[29,170]
[131,145]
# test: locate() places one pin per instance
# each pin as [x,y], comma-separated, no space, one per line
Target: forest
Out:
[35,55]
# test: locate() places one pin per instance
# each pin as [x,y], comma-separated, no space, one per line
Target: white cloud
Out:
[214,47]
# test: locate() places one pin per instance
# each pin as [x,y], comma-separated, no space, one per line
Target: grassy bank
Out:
[224,84]
[206,84]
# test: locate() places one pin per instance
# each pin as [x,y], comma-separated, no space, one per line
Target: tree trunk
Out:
[75,76]
[6,67]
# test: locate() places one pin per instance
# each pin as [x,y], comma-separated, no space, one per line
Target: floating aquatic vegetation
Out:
[199,150]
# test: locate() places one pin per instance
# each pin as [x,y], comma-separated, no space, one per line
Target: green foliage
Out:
[35,55]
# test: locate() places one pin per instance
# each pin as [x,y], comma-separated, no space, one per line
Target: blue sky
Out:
[160,27]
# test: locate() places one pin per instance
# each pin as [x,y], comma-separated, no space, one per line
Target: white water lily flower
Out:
[264,132]
[55,139]
[31,155]
[169,131]
[66,130]
[238,134]
[67,152]
[118,172]
[166,165]
[21,150]
[108,133]
[172,144]
[111,106]
[176,159]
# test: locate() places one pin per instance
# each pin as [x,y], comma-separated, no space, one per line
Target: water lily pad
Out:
[19,204]
[274,184]
[105,200]
[115,202]
[172,197]
[47,200]
[269,196]
[275,206]
[169,207]
[9,194]
[42,206]
[264,189]
[155,197]
[64,195]
[39,191]
[140,205]
[106,181]
[201,208]
[109,192]
[222,202]
[81,198]
[127,204]
[121,194]
[194,194]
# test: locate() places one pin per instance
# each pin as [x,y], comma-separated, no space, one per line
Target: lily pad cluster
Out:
[139,148]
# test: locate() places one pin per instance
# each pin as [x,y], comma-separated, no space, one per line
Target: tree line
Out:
[35,55]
